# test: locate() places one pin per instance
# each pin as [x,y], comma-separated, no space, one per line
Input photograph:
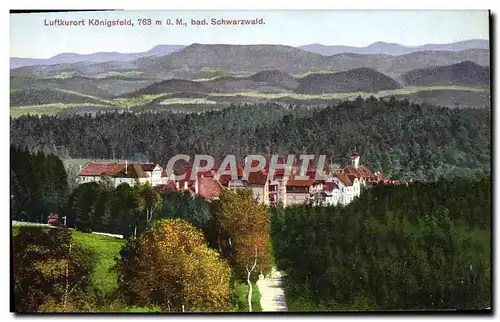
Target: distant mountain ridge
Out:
[99,57]
[393,49]
[190,62]
[377,48]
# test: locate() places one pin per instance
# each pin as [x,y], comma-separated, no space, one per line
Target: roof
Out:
[352,177]
[99,168]
[148,166]
[259,177]
[132,171]
[381,177]
[344,178]
[330,186]
[209,188]
[359,172]
[170,186]
[300,183]
[116,170]
[226,178]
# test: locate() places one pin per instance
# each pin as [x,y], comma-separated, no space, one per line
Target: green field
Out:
[128,102]
[128,74]
[63,75]
[313,72]
[348,95]
[47,109]
[53,109]
[171,101]
[106,249]
[214,73]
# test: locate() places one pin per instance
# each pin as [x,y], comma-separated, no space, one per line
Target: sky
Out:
[30,38]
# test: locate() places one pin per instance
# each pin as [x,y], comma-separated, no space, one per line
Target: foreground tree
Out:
[48,267]
[170,265]
[245,222]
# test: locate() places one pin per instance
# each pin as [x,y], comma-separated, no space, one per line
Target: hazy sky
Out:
[31,38]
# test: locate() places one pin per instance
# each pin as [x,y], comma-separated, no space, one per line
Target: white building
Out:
[338,188]
[123,172]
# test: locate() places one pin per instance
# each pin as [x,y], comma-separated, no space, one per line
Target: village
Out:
[339,186]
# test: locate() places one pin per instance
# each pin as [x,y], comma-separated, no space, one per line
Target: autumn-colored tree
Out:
[244,220]
[170,265]
[48,265]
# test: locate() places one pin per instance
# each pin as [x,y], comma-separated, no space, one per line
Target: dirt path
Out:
[272,297]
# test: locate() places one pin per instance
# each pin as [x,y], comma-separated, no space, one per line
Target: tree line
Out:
[422,246]
[38,184]
[402,139]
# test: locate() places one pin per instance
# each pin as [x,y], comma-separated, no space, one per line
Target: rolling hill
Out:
[215,76]
[355,80]
[464,73]
[29,97]
[235,58]
[105,87]
[190,62]
[68,58]
[376,48]
[76,95]
[393,49]
[171,86]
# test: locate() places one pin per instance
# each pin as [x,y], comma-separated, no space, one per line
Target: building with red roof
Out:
[325,193]
[297,191]
[339,186]
[121,172]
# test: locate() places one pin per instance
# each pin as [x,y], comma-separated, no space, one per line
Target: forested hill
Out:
[421,247]
[403,140]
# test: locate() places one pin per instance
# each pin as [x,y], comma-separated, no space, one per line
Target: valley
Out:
[211,77]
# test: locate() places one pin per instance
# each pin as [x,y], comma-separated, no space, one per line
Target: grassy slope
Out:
[47,109]
[105,281]
[401,91]
[53,109]
[106,248]
[304,74]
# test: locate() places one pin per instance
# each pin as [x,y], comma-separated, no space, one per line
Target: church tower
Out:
[355,159]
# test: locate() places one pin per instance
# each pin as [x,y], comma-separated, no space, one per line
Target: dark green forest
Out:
[38,185]
[402,139]
[422,246]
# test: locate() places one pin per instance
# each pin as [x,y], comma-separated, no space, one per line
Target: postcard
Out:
[250,161]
